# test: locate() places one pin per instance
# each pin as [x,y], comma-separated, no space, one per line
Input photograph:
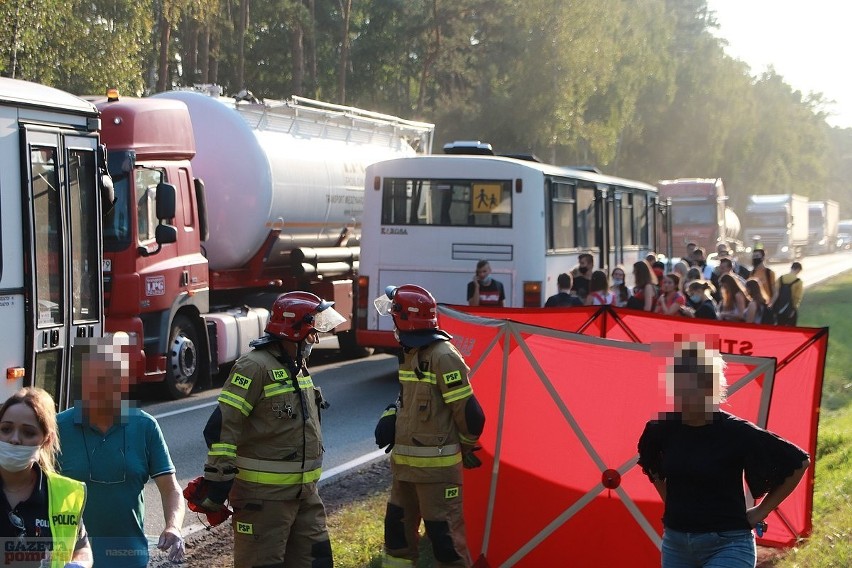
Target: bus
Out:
[52,184]
[429,219]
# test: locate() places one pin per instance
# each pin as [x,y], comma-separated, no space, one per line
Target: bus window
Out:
[447,202]
[628,234]
[585,217]
[640,215]
[48,235]
[561,230]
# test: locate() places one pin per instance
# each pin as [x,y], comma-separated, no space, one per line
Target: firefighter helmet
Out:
[295,315]
[412,307]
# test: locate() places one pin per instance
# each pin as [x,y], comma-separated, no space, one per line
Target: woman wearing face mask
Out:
[42,516]
[619,288]
[699,303]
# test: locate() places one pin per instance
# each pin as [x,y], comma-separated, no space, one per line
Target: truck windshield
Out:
[769,220]
[117,222]
[686,214]
[815,219]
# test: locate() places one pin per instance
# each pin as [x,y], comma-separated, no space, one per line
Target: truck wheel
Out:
[182,359]
[350,348]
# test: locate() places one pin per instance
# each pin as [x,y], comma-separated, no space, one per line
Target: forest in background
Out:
[640,89]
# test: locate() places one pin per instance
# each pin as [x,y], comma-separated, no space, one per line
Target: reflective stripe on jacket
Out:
[270,440]
[430,423]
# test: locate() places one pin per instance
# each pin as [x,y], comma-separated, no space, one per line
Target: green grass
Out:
[830,545]
[357,530]
[357,534]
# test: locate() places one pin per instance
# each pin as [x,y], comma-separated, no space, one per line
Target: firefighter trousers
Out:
[275,534]
[439,505]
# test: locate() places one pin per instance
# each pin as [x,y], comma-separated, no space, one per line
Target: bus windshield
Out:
[486,203]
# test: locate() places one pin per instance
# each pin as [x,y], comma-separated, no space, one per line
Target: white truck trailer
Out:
[824,217]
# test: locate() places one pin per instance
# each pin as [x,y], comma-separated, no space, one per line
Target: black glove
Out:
[217,491]
[469,459]
[386,428]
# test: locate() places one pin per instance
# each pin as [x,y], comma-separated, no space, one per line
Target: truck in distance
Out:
[700,215]
[779,224]
[823,220]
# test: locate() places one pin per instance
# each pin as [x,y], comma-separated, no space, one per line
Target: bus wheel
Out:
[182,358]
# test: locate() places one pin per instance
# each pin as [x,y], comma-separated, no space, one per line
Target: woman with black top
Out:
[699,301]
[696,457]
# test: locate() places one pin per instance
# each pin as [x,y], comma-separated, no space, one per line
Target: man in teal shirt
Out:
[115,449]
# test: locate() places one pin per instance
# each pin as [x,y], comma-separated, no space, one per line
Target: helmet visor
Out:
[327,320]
[384,305]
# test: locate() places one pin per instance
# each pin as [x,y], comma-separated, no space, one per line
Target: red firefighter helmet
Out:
[295,315]
[412,307]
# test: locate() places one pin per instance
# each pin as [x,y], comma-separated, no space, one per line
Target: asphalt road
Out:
[358,391]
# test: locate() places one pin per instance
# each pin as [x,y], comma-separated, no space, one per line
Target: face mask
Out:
[16,457]
[583,269]
[307,347]
[486,281]
[695,298]
[756,261]
[617,281]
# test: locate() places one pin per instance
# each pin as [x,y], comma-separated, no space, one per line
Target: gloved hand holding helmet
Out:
[203,496]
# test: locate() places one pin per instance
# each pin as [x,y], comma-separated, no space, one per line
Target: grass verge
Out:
[357,530]
[830,545]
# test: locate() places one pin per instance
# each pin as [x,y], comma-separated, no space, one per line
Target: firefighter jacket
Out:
[438,415]
[270,441]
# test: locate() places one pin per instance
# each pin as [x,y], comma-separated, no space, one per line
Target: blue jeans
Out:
[726,549]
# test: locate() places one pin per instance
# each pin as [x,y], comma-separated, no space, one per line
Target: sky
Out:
[808,42]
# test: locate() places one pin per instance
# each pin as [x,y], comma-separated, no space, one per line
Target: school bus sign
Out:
[486,197]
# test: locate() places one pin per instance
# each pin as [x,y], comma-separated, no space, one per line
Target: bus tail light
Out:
[377,183]
[532,294]
[362,302]
[14,373]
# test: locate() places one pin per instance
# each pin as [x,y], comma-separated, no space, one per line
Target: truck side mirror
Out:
[166,198]
[165,234]
[107,194]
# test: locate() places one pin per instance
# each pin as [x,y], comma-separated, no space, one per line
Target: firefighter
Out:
[266,444]
[432,431]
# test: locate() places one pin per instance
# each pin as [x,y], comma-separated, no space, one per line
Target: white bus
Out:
[429,219]
[51,184]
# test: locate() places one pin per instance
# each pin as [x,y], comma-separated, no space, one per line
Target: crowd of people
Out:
[72,483]
[691,288]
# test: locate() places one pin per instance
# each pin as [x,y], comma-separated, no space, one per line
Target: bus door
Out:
[63,254]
